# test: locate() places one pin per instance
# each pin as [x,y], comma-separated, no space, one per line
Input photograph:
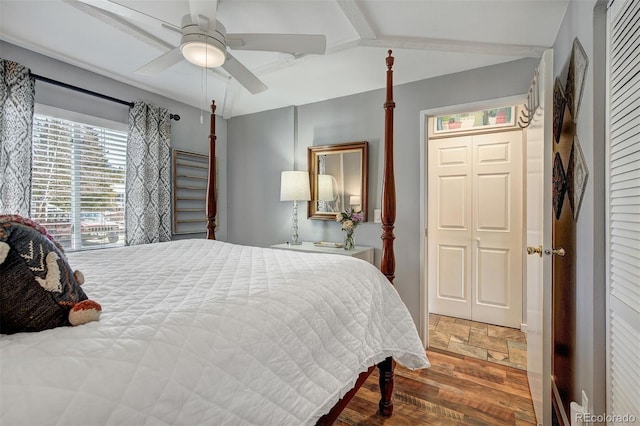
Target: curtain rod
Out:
[90,92]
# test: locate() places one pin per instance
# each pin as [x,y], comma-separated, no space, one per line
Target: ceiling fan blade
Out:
[203,12]
[243,75]
[129,13]
[161,63]
[287,43]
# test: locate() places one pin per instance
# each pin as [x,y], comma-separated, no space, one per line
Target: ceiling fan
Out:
[205,42]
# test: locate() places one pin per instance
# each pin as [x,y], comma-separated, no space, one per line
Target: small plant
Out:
[349,219]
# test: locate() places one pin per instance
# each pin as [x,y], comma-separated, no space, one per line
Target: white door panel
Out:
[450,224]
[456,155]
[493,202]
[492,283]
[538,234]
[452,206]
[475,220]
[497,223]
[451,273]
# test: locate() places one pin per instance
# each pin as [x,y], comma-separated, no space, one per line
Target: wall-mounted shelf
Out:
[190,174]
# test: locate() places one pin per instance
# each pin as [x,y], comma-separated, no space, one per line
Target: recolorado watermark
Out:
[608,418]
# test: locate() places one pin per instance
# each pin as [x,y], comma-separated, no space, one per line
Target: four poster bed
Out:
[208,332]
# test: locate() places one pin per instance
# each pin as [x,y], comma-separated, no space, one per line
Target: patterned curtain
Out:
[17,94]
[148,205]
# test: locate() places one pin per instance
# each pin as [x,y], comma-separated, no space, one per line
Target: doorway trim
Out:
[424,176]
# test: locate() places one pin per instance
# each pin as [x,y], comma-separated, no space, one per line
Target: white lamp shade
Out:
[354,200]
[294,186]
[325,188]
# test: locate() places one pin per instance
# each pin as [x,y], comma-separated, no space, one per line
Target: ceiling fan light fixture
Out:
[203,54]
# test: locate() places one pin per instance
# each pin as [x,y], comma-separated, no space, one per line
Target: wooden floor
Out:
[456,390]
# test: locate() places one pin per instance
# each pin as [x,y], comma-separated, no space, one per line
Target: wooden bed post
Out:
[211,181]
[388,261]
[387,265]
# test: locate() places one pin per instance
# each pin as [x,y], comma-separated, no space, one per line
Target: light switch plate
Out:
[377,216]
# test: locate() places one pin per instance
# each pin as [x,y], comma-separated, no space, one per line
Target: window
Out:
[78,178]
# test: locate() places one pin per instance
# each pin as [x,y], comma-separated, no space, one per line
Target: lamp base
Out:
[294,226]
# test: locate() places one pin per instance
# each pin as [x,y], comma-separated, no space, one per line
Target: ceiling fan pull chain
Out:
[202,94]
[206,80]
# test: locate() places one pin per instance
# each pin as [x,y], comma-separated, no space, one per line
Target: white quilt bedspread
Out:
[199,332]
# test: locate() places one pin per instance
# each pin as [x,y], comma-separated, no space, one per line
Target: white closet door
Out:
[475,227]
[450,229]
[497,228]
[623,210]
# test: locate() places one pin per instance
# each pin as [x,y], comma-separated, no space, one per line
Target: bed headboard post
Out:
[211,180]
[388,262]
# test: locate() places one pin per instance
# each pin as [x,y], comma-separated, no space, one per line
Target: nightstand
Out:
[361,252]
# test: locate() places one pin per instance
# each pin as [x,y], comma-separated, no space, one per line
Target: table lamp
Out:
[294,186]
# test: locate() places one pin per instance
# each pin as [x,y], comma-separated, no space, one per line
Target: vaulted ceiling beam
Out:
[359,22]
[456,46]
[121,24]
[369,38]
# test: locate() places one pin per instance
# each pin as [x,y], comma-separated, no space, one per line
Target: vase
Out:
[349,244]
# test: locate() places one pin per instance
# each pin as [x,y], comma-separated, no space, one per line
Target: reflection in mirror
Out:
[338,179]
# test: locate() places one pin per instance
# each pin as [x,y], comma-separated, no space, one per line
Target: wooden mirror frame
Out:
[314,152]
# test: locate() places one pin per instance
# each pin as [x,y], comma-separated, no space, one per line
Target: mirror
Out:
[339,179]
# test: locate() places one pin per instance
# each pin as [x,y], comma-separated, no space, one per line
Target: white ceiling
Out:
[428,38]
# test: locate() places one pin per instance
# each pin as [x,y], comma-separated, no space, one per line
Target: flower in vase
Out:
[349,220]
[348,225]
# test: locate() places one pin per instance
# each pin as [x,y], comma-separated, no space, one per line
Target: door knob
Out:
[558,252]
[534,250]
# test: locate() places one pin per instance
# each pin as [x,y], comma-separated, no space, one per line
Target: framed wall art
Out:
[559,187]
[575,78]
[577,175]
[559,102]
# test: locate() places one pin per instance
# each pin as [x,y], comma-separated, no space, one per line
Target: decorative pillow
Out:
[38,289]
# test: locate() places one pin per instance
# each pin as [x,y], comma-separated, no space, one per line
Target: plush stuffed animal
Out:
[38,289]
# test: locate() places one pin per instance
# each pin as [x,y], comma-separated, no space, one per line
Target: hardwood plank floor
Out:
[456,390]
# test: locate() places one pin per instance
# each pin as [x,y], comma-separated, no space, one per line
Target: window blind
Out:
[623,209]
[78,182]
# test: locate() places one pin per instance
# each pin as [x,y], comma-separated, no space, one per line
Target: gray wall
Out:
[255,159]
[585,20]
[262,147]
[187,134]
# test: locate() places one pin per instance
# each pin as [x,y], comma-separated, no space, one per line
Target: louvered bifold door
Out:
[623,210]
